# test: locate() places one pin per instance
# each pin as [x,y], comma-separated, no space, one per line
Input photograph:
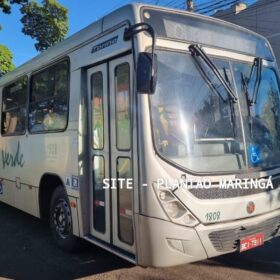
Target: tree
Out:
[47,23]
[6,58]
[5,5]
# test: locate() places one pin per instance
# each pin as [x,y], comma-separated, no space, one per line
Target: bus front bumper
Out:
[161,243]
[224,238]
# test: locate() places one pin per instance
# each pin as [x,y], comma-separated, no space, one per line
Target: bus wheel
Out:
[61,221]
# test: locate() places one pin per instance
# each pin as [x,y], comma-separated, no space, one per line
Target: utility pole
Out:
[190,5]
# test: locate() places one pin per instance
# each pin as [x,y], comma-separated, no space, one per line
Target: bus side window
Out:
[14,108]
[49,99]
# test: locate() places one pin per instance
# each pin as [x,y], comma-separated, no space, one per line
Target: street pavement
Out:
[28,252]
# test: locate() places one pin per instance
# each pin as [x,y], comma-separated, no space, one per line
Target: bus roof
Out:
[131,13]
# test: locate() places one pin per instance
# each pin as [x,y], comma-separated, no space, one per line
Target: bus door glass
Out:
[121,152]
[111,153]
[100,196]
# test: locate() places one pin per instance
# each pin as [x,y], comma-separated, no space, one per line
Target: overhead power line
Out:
[216,5]
[251,10]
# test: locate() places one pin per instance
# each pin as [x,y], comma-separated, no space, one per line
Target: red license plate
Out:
[251,242]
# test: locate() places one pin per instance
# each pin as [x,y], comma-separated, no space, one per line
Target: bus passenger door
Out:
[110,90]
[120,75]
[99,142]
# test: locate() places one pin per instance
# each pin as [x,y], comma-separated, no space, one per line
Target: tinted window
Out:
[14,107]
[49,99]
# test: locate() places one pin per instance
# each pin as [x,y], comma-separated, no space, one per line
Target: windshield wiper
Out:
[230,103]
[208,81]
[197,51]
[258,65]
[244,83]
[246,80]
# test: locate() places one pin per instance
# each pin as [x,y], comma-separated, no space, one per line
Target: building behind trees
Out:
[261,17]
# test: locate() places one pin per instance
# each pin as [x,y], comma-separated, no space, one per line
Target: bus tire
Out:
[61,221]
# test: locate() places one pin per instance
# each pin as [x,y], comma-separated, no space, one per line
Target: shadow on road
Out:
[28,252]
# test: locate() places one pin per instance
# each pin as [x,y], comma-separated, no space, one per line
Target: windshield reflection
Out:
[264,127]
[193,126]
[198,127]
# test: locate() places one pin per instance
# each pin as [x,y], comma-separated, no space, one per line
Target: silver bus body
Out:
[136,224]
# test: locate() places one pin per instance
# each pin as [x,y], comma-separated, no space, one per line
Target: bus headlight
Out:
[165,196]
[174,209]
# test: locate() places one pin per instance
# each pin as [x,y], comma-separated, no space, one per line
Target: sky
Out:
[81,13]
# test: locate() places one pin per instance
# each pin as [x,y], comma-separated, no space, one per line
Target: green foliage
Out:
[47,23]
[6,57]
[5,5]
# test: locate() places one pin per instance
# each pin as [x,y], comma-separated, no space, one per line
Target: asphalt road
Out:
[27,252]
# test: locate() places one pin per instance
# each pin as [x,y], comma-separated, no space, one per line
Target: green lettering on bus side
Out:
[12,160]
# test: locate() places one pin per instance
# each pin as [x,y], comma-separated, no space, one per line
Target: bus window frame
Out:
[26,107]
[36,72]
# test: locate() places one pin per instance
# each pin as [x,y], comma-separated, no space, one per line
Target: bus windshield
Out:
[198,127]
[261,114]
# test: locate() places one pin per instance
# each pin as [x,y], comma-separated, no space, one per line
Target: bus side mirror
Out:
[146,73]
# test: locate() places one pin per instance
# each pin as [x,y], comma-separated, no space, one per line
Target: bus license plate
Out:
[251,242]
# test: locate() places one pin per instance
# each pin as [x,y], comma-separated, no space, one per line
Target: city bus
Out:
[153,133]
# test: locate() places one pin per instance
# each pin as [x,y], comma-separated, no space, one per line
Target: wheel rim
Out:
[62,219]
